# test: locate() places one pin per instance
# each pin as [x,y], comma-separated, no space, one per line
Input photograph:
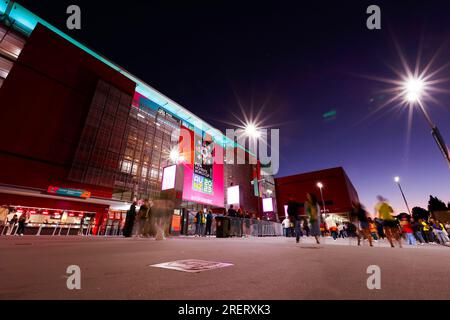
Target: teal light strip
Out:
[27,21]
[3,6]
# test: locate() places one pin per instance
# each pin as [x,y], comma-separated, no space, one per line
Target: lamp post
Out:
[320,185]
[414,88]
[397,180]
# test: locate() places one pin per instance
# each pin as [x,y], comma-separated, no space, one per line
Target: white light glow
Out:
[320,185]
[397,179]
[252,131]
[414,88]
[174,155]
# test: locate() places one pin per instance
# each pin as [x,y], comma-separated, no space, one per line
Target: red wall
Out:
[337,189]
[43,105]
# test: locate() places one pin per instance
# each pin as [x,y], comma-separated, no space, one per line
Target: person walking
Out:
[209,219]
[312,210]
[444,231]
[379,226]
[143,217]
[364,228]
[202,224]
[306,227]
[12,223]
[21,222]
[294,218]
[417,230]
[200,221]
[408,231]
[4,211]
[129,220]
[426,231]
[373,229]
[437,228]
[332,226]
[390,224]
[286,227]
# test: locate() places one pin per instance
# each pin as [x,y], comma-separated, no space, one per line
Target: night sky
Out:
[291,62]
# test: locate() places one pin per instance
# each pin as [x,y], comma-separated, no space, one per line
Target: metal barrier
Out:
[242,227]
[238,227]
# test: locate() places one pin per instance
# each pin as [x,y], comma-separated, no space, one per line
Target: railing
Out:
[237,227]
[52,229]
[240,227]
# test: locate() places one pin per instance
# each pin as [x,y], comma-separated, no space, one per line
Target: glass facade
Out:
[124,145]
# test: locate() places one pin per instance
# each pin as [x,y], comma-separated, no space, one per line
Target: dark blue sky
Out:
[295,61]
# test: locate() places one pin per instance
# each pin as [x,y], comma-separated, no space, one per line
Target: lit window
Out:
[126,166]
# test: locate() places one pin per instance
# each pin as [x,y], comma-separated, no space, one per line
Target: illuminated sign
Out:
[233,195]
[203,170]
[176,223]
[168,179]
[69,192]
[267,204]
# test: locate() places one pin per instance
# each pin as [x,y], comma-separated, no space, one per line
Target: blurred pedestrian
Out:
[373,229]
[286,227]
[129,220]
[306,227]
[143,218]
[209,220]
[4,211]
[312,210]
[331,225]
[294,217]
[390,224]
[12,223]
[408,231]
[438,230]
[21,223]
[426,231]
[417,230]
[364,228]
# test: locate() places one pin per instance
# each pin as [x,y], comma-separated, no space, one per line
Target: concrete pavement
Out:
[263,268]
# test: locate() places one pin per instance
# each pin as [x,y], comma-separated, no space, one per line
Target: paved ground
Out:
[263,268]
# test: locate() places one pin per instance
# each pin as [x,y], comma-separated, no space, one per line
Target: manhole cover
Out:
[191,265]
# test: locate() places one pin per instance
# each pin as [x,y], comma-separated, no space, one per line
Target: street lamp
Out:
[414,89]
[397,180]
[320,185]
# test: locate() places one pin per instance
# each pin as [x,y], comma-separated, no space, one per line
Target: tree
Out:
[435,204]
[420,213]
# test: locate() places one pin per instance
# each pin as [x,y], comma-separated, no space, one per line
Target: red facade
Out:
[338,191]
[48,93]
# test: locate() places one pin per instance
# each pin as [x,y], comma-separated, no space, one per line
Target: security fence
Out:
[238,227]
[235,227]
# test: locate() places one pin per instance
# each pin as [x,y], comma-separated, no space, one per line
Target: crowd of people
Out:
[414,231]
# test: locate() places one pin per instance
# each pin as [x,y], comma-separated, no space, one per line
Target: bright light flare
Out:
[252,131]
[397,179]
[414,88]
[174,155]
[320,185]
